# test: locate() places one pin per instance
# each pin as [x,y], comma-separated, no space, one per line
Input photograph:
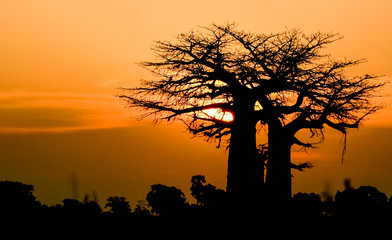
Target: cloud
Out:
[105,83]
[27,111]
[40,117]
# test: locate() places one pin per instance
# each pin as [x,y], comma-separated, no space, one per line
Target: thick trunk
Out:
[278,177]
[244,175]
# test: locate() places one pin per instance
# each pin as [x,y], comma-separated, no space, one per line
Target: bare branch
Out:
[302,144]
[302,166]
[293,83]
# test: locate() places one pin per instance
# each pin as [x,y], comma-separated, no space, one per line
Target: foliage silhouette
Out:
[166,201]
[17,198]
[143,210]
[207,195]
[281,81]
[166,209]
[365,202]
[307,205]
[119,206]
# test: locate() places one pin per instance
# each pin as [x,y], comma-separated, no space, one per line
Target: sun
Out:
[218,114]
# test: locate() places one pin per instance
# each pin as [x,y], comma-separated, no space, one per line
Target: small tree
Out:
[17,198]
[142,210]
[225,83]
[166,201]
[119,206]
[206,195]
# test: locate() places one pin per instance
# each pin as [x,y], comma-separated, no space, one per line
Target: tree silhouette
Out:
[364,202]
[206,195]
[166,201]
[119,206]
[225,84]
[142,210]
[17,198]
[306,205]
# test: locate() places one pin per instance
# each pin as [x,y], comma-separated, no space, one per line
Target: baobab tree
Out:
[224,83]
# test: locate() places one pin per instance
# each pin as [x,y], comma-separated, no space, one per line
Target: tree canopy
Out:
[224,83]
[286,76]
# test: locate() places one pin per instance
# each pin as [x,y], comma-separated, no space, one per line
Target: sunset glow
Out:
[62,64]
[218,114]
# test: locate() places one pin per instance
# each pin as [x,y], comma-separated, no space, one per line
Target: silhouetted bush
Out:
[307,205]
[166,205]
[142,210]
[364,202]
[207,195]
[166,201]
[17,198]
[119,206]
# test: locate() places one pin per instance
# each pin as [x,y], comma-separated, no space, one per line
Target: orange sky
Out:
[61,62]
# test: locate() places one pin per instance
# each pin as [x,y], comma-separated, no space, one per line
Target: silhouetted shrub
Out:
[17,198]
[306,205]
[364,205]
[119,206]
[142,210]
[364,202]
[166,201]
[207,195]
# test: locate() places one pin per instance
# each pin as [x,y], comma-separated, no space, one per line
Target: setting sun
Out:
[218,114]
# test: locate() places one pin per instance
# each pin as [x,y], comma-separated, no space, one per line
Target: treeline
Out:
[163,203]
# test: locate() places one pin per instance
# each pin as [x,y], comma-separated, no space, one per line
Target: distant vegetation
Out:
[165,204]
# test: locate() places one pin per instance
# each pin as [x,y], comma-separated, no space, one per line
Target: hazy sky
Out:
[61,62]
